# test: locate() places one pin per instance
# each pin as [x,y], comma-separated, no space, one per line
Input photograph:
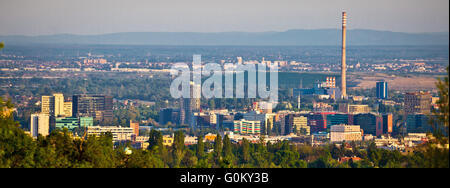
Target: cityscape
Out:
[101,103]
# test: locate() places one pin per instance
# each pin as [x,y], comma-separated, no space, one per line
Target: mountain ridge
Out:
[293,37]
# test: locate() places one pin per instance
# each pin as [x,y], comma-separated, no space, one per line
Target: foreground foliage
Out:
[61,150]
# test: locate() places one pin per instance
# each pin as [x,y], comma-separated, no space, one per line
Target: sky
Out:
[46,17]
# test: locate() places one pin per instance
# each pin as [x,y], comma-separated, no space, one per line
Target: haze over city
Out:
[44,17]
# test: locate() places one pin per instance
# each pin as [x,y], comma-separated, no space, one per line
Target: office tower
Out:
[370,123]
[58,99]
[343,68]
[39,124]
[387,123]
[419,123]
[294,121]
[97,106]
[382,90]
[47,105]
[55,106]
[165,116]
[341,133]
[300,124]
[68,109]
[190,105]
[417,102]
[317,121]
[338,119]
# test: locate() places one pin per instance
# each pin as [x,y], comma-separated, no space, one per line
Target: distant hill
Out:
[291,37]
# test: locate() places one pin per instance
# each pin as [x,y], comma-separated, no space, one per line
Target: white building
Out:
[39,124]
[341,133]
[118,133]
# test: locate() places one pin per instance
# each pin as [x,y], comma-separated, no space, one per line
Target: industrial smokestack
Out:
[343,68]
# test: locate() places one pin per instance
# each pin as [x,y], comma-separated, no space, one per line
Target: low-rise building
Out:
[247,127]
[347,133]
[119,134]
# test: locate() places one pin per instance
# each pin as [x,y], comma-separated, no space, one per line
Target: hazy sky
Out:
[38,17]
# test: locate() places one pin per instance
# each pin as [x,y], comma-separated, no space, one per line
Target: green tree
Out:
[200,147]
[245,150]
[441,115]
[178,148]
[155,140]
[217,148]
[228,157]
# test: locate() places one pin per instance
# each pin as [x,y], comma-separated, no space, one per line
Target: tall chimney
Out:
[343,68]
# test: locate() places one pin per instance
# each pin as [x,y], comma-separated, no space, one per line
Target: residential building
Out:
[247,127]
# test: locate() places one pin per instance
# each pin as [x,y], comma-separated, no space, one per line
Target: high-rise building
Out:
[387,123]
[68,109]
[39,124]
[97,106]
[55,106]
[337,119]
[418,123]
[318,121]
[370,123]
[47,105]
[58,99]
[417,102]
[300,124]
[382,90]
[188,106]
[165,116]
